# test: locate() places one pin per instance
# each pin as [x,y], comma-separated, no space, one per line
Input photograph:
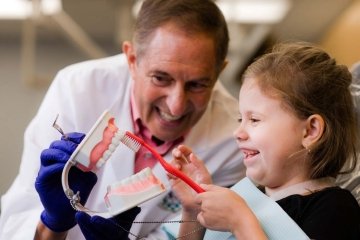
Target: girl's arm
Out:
[218,208]
[222,209]
[193,167]
[195,229]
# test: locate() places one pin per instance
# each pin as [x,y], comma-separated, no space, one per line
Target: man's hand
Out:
[98,228]
[58,214]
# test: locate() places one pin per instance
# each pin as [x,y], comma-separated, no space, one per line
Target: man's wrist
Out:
[44,233]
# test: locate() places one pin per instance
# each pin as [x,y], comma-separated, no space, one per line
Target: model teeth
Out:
[112,147]
[126,181]
[107,154]
[119,135]
[136,182]
[115,141]
[132,191]
[146,172]
[100,163]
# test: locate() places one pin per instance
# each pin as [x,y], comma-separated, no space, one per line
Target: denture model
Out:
[94,150]
[102,140]
[98,145]
[132,191]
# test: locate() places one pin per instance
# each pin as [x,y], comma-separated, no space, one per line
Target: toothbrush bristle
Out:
[131,143]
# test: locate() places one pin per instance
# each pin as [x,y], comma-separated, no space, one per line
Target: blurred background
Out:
[39,37]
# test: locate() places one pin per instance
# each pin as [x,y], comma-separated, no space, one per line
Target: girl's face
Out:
[270,137]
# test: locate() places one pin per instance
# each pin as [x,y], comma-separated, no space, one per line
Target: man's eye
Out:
[160,80]
[197,87]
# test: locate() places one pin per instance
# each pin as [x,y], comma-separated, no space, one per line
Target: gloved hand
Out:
[58,214]
[115,228]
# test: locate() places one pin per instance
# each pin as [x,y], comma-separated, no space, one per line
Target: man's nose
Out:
[176,101]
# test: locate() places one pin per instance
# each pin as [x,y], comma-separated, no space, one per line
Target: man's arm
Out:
[44,233]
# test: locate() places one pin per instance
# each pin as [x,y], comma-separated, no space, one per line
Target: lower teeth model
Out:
[132,191]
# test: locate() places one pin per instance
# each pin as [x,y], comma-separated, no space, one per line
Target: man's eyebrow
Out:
[205,79]
[202,80]
[159,72]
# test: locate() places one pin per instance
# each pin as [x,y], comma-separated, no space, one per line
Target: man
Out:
[163,88]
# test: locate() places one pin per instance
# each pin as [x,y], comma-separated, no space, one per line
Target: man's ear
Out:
[314,130]
[129,51]
[225,63]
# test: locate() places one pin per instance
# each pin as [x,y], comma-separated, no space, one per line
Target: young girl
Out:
[297,128]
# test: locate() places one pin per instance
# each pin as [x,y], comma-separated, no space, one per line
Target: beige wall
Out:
[342,40]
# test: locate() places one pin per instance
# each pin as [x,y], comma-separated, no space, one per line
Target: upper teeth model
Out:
[98,145]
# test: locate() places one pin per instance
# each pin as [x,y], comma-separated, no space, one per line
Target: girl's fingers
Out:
[179,156]
[184,150]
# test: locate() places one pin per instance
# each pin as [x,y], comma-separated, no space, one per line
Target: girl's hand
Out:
[222,209]
[188,163]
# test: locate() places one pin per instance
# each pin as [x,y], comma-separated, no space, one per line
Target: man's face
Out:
[173,80]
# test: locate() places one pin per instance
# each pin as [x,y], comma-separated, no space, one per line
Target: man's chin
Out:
[167,132]
[168,135]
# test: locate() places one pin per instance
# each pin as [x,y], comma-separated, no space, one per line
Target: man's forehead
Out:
[199,76]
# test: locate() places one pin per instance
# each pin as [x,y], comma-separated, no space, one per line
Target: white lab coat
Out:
[79,94]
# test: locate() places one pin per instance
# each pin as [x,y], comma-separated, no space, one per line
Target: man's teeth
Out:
[169,117]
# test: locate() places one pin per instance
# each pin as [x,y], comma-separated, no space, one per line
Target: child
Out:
[297,128]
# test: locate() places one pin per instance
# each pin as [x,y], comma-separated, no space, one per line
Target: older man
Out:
[163,88]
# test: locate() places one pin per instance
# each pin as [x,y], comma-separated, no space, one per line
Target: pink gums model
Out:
[99,151]
[132,191]
[98,145]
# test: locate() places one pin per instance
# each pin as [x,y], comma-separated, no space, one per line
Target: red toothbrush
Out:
[134,143]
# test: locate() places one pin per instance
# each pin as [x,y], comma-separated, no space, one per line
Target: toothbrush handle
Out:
[184,177]
[176,172]
[169,168]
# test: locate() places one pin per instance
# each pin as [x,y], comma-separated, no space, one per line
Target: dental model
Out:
[98,145]
[132,191]
[96,148]
[93,151]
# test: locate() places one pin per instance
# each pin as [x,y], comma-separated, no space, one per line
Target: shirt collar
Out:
[303,188]
[134,110]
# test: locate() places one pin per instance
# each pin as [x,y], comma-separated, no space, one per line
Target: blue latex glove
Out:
[115,228]
[58,214]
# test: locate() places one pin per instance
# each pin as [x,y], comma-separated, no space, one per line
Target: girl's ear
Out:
[314,130]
